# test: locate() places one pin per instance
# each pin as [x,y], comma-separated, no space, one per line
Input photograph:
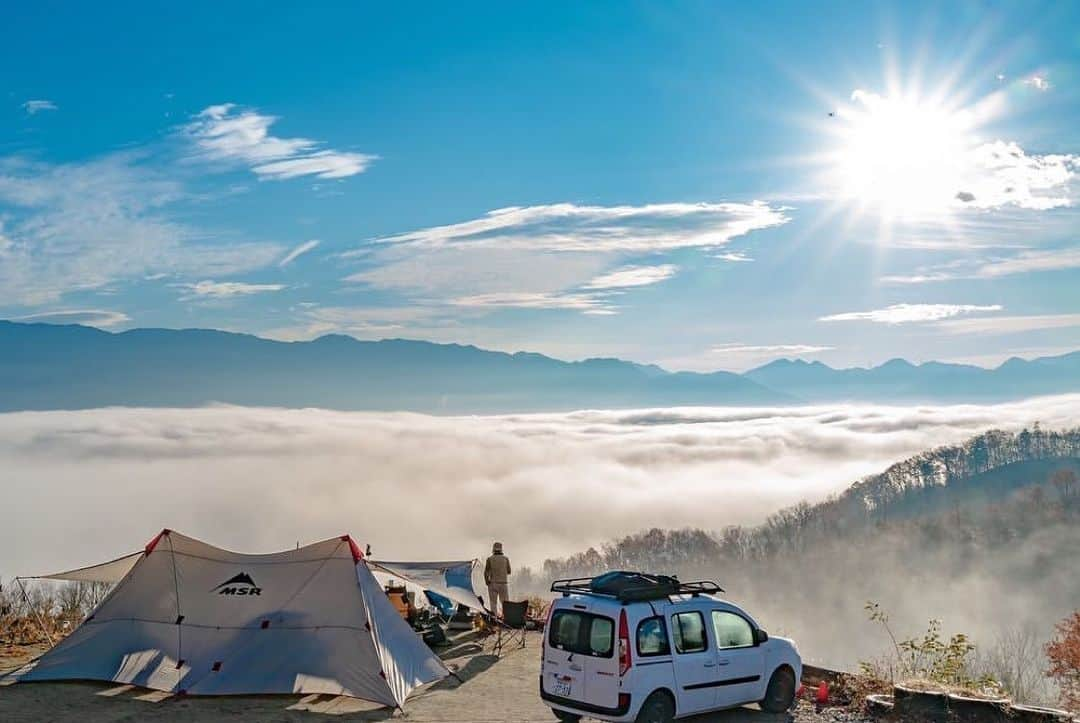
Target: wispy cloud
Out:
[734,256]
[558,256]
[1049,260]
[298,252]
[86,317]
[593,298]
[1009,324]
[33,107]
[83,225]
[1038,82]
[569,227]
[629,276]
[918,278]
[586,303]
[366,322]
[995,267]
[911,313]
[227,289]
[231,134]
[769,349]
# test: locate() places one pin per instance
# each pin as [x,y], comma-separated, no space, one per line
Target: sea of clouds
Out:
[84,486]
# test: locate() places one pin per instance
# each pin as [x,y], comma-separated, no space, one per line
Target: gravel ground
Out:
[495,690]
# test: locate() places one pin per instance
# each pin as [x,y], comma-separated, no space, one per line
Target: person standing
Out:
[497,577]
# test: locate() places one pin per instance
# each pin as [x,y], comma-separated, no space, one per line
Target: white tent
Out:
[452,580]
[187,617]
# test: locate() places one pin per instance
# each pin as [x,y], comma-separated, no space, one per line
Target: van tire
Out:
[657,708]
[565,717]
[780,695]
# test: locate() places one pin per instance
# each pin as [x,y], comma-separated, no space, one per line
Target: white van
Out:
[646,648]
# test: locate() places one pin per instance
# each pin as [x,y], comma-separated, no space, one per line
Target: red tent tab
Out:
[157,538]
[357,556]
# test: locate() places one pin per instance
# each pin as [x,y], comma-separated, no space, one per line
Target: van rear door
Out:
[602,664]
[578,650]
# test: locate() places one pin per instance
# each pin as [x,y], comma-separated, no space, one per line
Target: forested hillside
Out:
[984,535]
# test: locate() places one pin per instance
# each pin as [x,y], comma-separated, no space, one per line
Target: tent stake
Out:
[37,613]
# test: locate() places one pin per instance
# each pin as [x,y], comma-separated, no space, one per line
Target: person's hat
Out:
[497,547]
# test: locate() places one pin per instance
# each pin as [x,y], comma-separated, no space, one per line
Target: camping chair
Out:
[444,605]
[512,625]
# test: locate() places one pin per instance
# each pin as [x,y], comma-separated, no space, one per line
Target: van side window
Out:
[582,633]
[732,631]
[689,632]
[652,638]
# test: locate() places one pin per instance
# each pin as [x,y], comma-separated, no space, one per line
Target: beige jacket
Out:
[497,570]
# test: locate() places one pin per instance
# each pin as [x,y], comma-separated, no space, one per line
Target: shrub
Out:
[929,658]
[1063,653]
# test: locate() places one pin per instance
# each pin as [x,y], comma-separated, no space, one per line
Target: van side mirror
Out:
[760,636]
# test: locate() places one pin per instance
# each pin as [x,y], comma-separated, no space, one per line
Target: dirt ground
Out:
[492,689]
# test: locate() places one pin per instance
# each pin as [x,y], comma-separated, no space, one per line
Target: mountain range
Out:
[46,366]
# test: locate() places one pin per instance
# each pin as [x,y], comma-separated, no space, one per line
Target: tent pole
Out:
[37,613]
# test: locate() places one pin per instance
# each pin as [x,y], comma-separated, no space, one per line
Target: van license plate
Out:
[562,687]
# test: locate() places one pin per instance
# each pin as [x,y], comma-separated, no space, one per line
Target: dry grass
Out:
[44,612]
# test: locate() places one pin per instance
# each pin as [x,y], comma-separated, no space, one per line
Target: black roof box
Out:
[627,586]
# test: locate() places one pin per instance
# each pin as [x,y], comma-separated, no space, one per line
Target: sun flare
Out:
[899,154]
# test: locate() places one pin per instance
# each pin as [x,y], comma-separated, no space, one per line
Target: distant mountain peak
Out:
[43,366]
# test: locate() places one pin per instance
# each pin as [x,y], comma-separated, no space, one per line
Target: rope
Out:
[37,613]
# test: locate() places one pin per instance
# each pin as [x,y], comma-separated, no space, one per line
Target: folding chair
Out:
[444,605]
[512,625]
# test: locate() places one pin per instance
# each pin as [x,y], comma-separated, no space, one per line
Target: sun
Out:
[899,155]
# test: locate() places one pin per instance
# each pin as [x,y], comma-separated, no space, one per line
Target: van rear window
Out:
[582,633]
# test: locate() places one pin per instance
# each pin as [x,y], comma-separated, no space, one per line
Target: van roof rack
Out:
[633,586]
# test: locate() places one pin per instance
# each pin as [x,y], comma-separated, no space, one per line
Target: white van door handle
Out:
[710,664]
[725,661]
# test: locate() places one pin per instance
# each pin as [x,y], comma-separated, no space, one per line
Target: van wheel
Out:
[657,708]
[780,695]
[565,717]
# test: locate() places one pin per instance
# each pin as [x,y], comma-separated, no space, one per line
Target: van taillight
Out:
[547,632]
[624,644]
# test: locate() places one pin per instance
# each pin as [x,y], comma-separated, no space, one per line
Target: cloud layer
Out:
[418,486]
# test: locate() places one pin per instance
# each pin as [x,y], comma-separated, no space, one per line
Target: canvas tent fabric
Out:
[451,579]
[112,572]
[192,618]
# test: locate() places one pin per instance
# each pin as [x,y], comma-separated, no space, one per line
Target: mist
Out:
[84,486]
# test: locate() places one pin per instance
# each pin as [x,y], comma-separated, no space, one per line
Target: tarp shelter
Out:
[187,617]
[451,579]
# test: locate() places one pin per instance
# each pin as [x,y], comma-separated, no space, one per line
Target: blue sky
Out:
[701,185]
